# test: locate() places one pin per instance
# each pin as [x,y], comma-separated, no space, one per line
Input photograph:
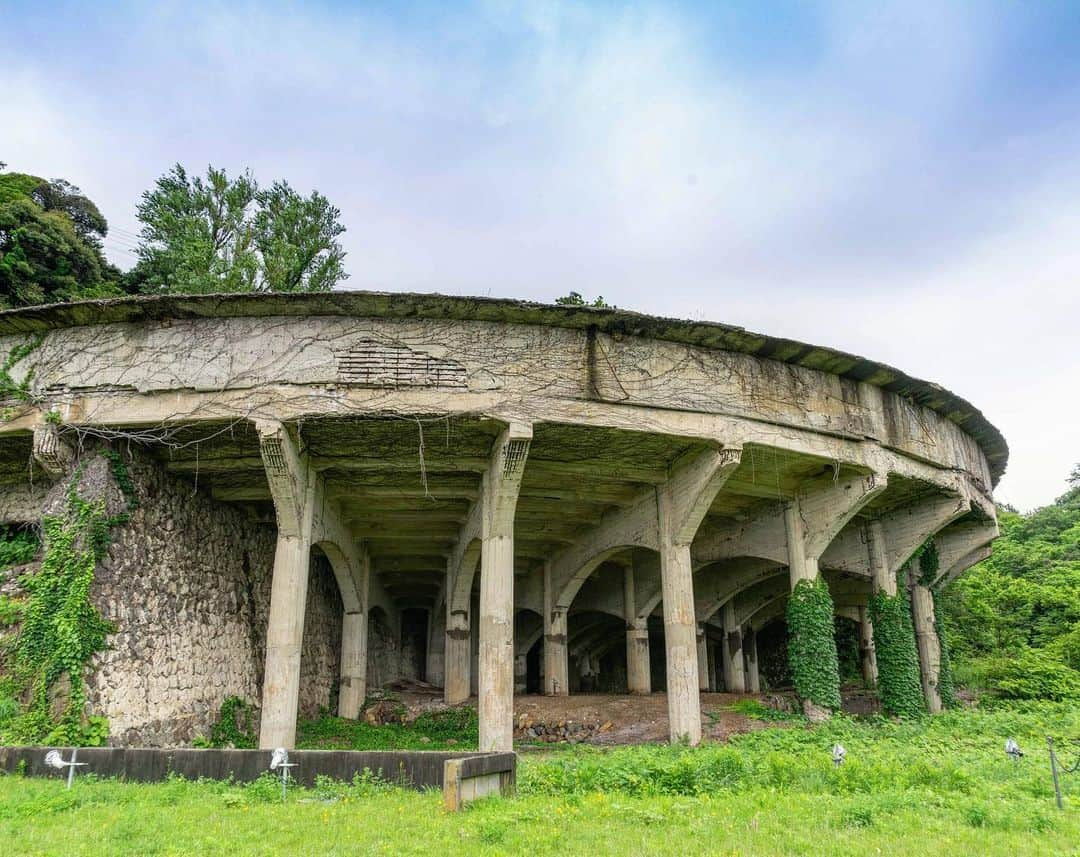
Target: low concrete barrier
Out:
[462,776]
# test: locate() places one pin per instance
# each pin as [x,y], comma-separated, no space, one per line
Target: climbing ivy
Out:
[928,562]
[811,644]
[9,387]
[60,628]
[235,726]
[899,682]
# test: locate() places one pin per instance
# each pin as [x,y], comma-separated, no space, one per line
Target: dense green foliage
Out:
[1013,621]
[812,645]
[899,682]
[451,728]
[220,235]
[42,692]
[940,786]
[50,243]
[575,299]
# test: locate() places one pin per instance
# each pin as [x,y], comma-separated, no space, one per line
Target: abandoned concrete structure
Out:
[336,490]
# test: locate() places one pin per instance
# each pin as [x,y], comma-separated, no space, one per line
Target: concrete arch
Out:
[346,576]
[719,582]
[461,596]
[528,629]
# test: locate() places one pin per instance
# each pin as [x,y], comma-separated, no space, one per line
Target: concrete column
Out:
[556,659]
[734,668]
[521,674]
[458,658]
[496,679]
[638,674]
[702,659]
[800,565]
[926,638]
[435,669]
[883,580]
[680,639]
[753,676]
[284,637]
[867,654]
[353,664]
[710,651]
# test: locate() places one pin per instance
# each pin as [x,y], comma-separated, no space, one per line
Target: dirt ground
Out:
[603,719]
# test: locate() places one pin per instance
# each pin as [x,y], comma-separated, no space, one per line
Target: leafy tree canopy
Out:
[1015,617]
[50,243]
[219,235]
[575,299]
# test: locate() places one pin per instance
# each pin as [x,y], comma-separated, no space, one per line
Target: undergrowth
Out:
[446,729]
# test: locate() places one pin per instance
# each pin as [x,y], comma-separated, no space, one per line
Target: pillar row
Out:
[734,667]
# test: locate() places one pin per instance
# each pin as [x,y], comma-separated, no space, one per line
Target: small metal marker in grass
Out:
[54,760]
[280,760]
[1012,750]
[838,754]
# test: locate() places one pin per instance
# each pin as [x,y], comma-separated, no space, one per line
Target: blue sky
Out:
[901,180]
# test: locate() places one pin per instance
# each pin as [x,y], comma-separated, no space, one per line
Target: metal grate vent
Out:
[514,456]
[375,364]
[274,455]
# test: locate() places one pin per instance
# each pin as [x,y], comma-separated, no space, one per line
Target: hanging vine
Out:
[899,681]
[812,657]
[60,629]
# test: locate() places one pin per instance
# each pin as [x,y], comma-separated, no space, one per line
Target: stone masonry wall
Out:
[186,582]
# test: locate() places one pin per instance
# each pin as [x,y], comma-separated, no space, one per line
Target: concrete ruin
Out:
[343,489]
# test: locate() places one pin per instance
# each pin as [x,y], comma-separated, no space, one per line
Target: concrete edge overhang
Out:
[403,305]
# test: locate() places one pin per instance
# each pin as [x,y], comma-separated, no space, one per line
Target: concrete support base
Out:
[926,638]
[353,665]
[867,653]
[734,667]
[496,679]
[702,659]
[753,676]
[680,638]
[457,659]
[638,674]
[284,637]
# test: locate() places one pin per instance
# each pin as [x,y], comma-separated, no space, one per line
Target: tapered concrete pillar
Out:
[926,639]
[702,659]
[882,578]
[734,668]
[711,652]
[680,641]
[753,675]
[353,664]
[458,658]
[284,637]
[496,680]
[867,654]
[434,668]
[638,673]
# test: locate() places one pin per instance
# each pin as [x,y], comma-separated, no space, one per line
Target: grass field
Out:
[939,787]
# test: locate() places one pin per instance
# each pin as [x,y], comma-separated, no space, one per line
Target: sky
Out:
[899,180]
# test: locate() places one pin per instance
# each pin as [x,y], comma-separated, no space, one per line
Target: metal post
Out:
[1054,771]
[71,766]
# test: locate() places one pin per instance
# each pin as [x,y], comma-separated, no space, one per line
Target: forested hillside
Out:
[1013,621]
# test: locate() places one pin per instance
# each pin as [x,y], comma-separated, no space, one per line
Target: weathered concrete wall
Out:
[320,658]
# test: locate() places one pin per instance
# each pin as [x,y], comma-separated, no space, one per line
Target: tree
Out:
[50,243]
[219,236]
[575,299]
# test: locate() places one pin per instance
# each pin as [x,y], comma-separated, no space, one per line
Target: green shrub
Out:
[1035,674]
[815,670]
[234,727]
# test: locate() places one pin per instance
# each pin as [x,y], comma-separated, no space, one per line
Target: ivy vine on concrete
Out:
[812,656]
[899,682]
[929,564]
[60,629]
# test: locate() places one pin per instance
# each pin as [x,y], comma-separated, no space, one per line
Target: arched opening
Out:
[414,638]
[320,653]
